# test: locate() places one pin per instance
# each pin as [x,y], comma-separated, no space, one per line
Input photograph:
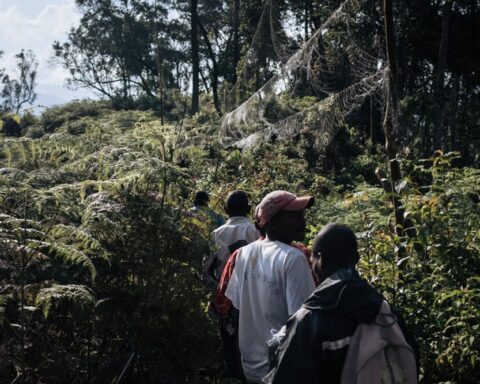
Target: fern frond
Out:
[84,239]
[11,222]
[76,296]
[69,254]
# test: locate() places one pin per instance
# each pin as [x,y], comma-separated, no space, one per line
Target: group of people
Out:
[288,315]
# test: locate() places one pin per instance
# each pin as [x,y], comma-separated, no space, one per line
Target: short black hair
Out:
[283,226]
[201,198]
[336,246]
[237,204]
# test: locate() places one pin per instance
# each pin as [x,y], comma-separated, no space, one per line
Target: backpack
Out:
[379,354]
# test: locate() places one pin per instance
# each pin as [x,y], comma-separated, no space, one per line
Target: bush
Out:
[28,119]
[55,117]
[11,126]
[34,132]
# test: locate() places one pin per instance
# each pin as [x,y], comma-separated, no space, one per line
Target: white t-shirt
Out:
[236,229]
[270,282]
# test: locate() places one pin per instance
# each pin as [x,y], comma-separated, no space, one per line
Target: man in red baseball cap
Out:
[271,279]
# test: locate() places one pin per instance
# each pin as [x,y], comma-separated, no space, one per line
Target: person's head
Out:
[282,215]
[335,247]
[237,204]
[201,199]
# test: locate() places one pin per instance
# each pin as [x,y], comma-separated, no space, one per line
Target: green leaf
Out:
[76,296]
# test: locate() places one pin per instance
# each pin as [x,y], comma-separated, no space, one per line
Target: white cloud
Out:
[37,32]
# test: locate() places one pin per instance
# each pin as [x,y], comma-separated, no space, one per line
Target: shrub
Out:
[11,125]
[54,117]
[28,119]
[34,132]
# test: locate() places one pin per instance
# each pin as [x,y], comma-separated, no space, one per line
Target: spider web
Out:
[335,66]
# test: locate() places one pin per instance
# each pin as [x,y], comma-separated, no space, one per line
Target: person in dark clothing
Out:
[201,199]
[317,336]
[202,211]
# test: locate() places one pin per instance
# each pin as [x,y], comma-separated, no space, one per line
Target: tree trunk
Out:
[388,125]
[392,58]
[214,74]
[158,64]
[306,17]
[453,114]
[439,79]
[195,56]
[236,39]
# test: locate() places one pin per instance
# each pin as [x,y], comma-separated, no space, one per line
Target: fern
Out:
[24,237]
[70,255]
[83,239]
[75,296]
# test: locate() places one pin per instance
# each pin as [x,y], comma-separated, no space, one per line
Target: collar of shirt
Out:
[237,219]
[340,275]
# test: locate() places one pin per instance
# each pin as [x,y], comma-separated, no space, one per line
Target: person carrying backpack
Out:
[235,233]
[345,331]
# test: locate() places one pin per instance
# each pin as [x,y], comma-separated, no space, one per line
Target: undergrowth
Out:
[100,259]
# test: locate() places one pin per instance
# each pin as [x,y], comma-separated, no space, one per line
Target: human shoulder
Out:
[291,250]
[236,221]
[217,231]
[248,249]
[302,314]
[293,254]
[314,323]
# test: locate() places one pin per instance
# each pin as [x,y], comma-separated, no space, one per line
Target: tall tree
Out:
[439,76]
[236,38]
[438,59]
[111,50]
[19,91]
[2,70]
[195,54]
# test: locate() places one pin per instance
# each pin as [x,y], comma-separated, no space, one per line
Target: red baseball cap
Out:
[280,201]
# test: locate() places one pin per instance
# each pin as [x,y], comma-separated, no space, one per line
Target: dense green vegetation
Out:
[371,107]
[100,267]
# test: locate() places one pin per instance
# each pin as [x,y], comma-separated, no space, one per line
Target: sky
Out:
[35,25]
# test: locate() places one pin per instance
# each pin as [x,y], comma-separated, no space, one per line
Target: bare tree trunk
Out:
[453,114]
[214,75]
[236,38]
[158,64]
[390,119]
[391,54]
[195,56]
[439,79]
[306,17]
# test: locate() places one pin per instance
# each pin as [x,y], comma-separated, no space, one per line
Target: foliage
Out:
[10,125]
[99,212]
[89,229]
[436,282]
[54,117]
[19,91]
[111,51]
[100,258]
[135,55]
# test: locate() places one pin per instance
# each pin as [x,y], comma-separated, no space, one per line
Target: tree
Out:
[2,70]
[112,51]
[195,54]
[20,91]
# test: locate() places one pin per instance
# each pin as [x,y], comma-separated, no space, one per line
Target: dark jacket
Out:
[317,336]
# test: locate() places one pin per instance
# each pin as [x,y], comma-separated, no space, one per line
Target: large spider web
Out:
[340,65]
